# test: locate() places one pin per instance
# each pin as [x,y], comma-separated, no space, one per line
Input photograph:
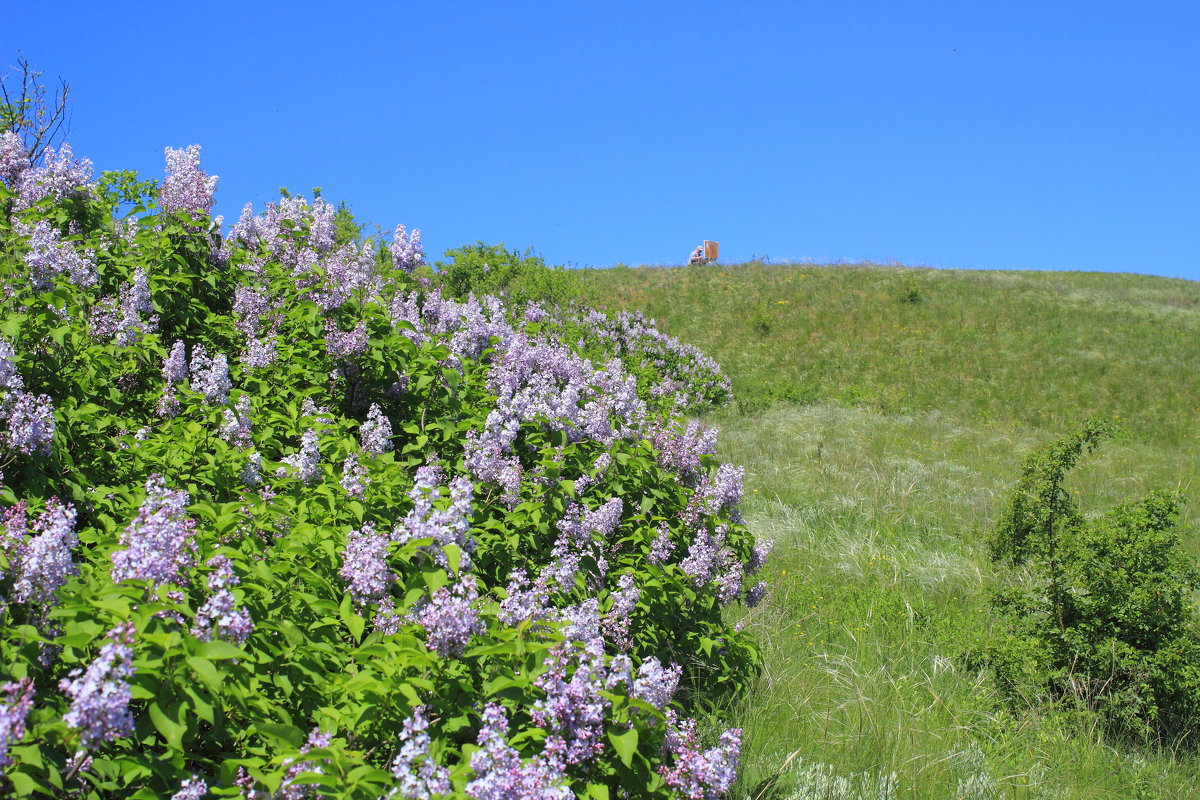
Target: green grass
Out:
[915,394]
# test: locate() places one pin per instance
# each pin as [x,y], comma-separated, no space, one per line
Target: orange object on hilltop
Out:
[710,250]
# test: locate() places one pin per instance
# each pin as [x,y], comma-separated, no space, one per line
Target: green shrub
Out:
[521,277]
[1099,613]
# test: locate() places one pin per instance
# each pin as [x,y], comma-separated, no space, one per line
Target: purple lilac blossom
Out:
[701,559]
[697,774]
[406,250]
[252,472]
[344,345]
[100,695]
[758,557]
[756,593]
[298,791]
[44,561]
[49,256]
[525,600]
[236,427]
[193,788]
[160,541]
[220,609]
[60,177]
[662,547]
[583,620]
[387,620]
[210,376]
[451,617]
[376,433]
[31,424]
[619,618]
[419,776]
[354,477]
[14,708]
[259,353]
[175,365]
[250,307]
[500,774]
[729,573]
[10,379]
[306,464]
[186,187]
[364,565]
[656,684]
[573,711]
[449,526]
[14,159]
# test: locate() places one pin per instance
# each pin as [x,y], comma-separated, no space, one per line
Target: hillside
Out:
[884,414]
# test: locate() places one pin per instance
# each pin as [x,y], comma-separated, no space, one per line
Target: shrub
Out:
[520,277]
[281,520]
[1100,612]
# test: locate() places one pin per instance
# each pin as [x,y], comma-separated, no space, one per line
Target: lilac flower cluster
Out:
[501,774]
[619,618]
[193,788]
[121,318]
[364,565]
[210,376]
[661,548]
[291,232]
[584,532]
[41,563]
[419,776]
[574,709]
[447,526]
[260,353]
[306,464]
[100,695]
[14,159]
[406,250]
[681,451]
[174,371]
[186,187]
[49,257]
[288,789]
[348,269]
[700,774]
[220,609]
[451,617]
[61,176]
[160,541]
[354,477]
[343,345]
[525,600]
[14,708]
[376,433]
[656,684]
[236,426]
[253,311]
[30,420]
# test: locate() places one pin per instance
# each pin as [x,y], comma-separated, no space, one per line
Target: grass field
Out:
[883,414]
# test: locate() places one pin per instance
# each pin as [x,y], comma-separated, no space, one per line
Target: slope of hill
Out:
[883,415]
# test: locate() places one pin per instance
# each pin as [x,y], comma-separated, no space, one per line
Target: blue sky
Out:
[1039,135]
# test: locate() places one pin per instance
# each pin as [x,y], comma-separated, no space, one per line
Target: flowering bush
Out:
[281,519]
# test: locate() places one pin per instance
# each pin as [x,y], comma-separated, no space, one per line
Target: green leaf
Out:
[625,744]
[171,729]
[206,671]
[219,650]
[288,734]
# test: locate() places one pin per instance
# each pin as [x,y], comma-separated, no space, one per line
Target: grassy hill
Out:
[883,414]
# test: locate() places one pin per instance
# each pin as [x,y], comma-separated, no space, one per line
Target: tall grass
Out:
[914,395]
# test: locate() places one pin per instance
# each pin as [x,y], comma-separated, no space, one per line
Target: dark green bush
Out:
[1098,613]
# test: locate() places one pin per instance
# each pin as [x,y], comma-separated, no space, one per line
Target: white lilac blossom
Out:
[160,541]
[43,563]
[364,565]
[16,701]
[100,695]
[501,774]
[354,477]
[376,433]
[31,425]
[220,609]
[236,426]
[193,788]
[451,617]
[406,250]
[186,187]
[418,776]
[700,774]
[306,464]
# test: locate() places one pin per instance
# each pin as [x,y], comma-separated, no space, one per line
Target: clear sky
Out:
[1035,135]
